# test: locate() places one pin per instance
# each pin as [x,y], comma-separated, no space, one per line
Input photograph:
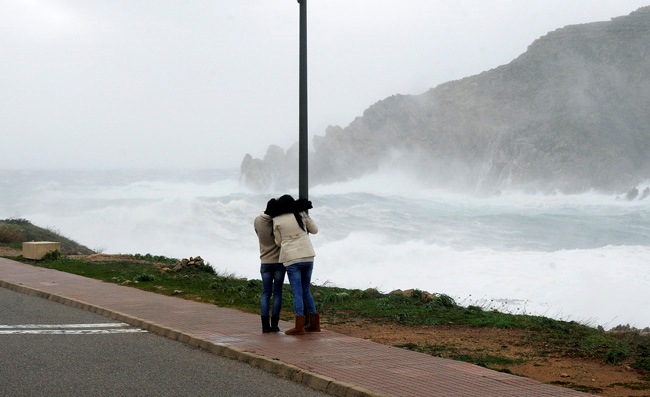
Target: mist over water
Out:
[580,257]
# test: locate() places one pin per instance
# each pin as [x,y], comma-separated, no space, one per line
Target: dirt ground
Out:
[7,251]
[580,374]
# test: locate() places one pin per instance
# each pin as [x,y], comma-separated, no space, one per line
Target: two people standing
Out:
[290,228]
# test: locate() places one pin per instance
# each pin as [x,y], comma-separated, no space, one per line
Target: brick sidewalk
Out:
[326,361]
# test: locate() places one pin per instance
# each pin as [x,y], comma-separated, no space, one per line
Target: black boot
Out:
[266,328]
[274,323]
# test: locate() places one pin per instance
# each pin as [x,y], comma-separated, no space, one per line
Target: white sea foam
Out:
[580,257]
[604,286]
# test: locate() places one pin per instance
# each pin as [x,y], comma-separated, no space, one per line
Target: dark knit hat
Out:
[272,208]
[286,204]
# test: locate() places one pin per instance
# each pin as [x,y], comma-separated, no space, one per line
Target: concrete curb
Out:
[284,370]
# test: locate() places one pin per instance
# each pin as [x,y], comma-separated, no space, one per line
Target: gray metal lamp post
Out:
[303,170]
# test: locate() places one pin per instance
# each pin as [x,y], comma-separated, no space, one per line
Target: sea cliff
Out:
[570,114]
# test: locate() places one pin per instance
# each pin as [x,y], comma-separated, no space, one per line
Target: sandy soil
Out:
[7,251]
[580,374]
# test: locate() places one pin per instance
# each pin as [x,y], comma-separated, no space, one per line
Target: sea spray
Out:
[580,257]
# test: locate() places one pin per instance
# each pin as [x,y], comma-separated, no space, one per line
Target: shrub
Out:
[253,283]
[144,277]
[17,221]
[52,256]
[10,234]
[444,301]
[642,364]
[369,293]
[615,356]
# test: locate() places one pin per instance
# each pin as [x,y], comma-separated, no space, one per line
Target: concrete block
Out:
[38,249]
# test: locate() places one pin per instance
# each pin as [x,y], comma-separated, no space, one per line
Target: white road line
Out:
[98,325]
[72,332]
[69,329]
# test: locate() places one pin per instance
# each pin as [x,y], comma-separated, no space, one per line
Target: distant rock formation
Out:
[645,194]
[633,193]
[276,169]
[570,114]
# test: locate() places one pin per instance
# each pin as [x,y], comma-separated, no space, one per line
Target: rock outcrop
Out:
[570,114]
[195,262]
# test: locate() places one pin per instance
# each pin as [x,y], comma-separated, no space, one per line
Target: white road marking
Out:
[68,329]
[98,325]
[72,332]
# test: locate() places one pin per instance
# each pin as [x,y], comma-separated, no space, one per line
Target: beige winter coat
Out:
[269,250]
[294,242]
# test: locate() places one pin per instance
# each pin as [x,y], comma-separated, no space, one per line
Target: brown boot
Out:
[299,329]
[314,323]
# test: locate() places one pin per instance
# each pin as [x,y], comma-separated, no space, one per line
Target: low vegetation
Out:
[13,232]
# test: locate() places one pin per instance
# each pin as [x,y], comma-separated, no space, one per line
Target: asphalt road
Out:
[49,349]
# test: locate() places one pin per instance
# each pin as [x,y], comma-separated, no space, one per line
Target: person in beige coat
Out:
[271,270]
[291,230]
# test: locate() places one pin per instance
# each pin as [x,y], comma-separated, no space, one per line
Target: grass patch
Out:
[13,232]
[153,258]
[633,385]
[486,360]
[642,363]
[575,386]
[473,357]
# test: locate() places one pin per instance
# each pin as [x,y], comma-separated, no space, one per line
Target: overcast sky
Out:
[198,84]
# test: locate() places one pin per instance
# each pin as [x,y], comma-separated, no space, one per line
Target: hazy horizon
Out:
[153,84]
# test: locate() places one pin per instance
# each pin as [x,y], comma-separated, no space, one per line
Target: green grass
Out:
[477,357]
[633,385]
[578,387]
[15,231]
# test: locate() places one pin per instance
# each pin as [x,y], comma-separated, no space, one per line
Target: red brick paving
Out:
[331,362]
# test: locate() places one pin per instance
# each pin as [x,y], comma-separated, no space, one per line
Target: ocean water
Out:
[580,257]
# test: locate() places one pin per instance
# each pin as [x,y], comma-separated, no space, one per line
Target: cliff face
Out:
[572,113]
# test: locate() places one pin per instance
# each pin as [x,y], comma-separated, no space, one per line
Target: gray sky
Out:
[198,84]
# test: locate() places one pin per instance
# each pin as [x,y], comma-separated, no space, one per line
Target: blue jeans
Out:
[300,278]
[272,282]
